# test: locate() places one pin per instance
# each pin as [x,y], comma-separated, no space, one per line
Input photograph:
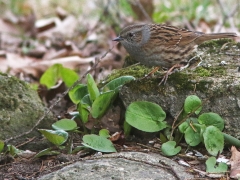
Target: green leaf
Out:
[163,138]
[146,116]
[83,112]
[104,133]
[46,152]
[51,75]
[211,119]
[213,140]
[193,134]
[213,167]
[183,127]
[65,124]
[169,149]
[68,76]
[117,83]
[92,88]
[77,93]
[98,143]
[192,103]
[167,133]
[102,103]
[56,137]
[86,100]
[1,146]
[13,150]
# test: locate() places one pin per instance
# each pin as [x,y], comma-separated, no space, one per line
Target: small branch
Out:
[227,16]
[143,11]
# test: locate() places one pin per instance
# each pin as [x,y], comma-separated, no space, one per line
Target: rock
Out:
[216,83]
[20,109]
[131,165]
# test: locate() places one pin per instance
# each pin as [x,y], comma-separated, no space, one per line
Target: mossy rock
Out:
[216,82]
[20,109]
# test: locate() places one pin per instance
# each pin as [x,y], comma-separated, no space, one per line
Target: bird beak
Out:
[118,39]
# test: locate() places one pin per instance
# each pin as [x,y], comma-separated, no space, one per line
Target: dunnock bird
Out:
[163,45]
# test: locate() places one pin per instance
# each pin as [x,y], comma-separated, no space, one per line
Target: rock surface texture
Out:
[216,83]
[126,165]
[20,108]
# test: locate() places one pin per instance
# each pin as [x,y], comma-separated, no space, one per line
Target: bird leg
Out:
[152,72]
[169,72]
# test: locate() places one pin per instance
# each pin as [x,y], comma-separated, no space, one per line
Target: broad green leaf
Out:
[56,137]
[117,83]
[98,143]
[213,140]
[101,104]
[92,88]
[68,76]
[83,112]
[104,133]
[169,148]
[146,116]
[46,152]
[192,103]
[77,93]
[211,119]
[1,146]
[65,124]
[51,75]
[213,167]
[193,134]
[86,100]
[183,127]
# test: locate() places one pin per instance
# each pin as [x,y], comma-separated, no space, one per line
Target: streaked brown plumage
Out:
[163,45]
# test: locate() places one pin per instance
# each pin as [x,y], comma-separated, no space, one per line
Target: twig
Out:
[174,121]
[31,139]
[230,54]
[97,60]
[137,2]
[0,40]
[227,15]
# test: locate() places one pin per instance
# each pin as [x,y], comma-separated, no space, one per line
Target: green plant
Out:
[205,128]
[1,145]
[213,167]
[60,135]
[94,101]
[90,100]
[56,72]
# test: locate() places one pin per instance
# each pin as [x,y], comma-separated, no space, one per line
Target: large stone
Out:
[135,165]
[20,109]
[216,83]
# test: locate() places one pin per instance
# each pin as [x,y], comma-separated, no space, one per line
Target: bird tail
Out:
[207,37]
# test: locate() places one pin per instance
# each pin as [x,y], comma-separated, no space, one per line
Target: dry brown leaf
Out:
[235,163]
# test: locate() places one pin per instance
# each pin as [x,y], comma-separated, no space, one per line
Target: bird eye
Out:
[130,34]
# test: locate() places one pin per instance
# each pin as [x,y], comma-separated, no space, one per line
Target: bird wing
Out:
[172,36]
